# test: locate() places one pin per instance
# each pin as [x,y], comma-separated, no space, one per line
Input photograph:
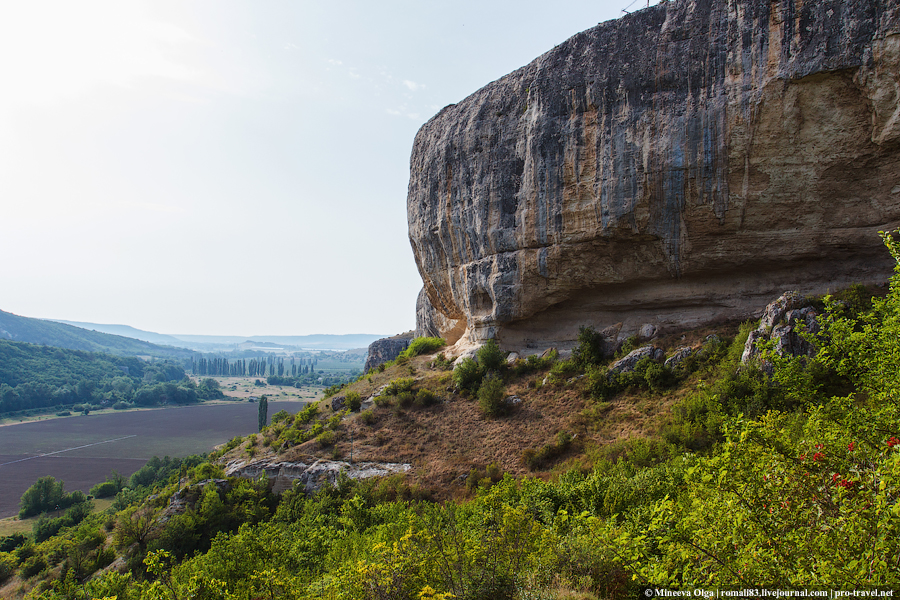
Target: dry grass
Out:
[445,441]
[243,388]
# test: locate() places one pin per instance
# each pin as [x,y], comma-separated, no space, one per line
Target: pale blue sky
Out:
[224,167]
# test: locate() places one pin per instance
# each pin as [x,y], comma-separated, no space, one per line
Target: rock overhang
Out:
[678,166]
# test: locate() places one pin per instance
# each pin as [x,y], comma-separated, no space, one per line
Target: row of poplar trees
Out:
[222,367]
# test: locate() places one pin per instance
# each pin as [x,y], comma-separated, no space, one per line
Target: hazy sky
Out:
[223,167]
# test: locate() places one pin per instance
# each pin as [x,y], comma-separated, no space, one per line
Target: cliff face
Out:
[386,349]
[681,165]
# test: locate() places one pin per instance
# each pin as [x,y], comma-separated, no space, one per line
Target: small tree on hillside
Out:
[46,494]
[263,412]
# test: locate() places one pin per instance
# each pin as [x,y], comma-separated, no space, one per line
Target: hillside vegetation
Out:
[710,476]
[50,333]
[37,378]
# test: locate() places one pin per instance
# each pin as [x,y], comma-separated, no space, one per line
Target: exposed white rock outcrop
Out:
[311,475]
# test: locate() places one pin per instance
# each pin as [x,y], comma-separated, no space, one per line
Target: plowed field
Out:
[83,450]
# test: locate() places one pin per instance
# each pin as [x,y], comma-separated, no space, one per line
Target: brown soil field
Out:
[83,450]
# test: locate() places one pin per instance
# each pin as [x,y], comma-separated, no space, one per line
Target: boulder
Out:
[627,363]
[647,331]
[787,321]
[678,357]
[676,167]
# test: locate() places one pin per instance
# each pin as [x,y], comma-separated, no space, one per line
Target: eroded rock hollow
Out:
[681,165]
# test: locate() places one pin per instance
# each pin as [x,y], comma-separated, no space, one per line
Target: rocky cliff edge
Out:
[678,166]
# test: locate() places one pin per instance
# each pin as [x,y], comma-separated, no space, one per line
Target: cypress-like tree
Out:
[263,412]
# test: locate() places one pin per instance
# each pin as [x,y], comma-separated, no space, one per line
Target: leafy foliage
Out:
[112,486]
[467,375]
[43,377]
[490,357]
[47,494]
[492,396]
[423,345]
[591,347]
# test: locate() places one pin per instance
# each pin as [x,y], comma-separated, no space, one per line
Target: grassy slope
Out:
[444,442]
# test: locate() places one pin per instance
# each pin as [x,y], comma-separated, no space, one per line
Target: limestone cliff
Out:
[386,349]
[680,165]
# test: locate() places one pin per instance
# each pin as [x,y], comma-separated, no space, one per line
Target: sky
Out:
[224,167]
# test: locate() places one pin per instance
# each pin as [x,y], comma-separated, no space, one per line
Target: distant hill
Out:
[128,331]
[208,343]
[52,333]
[348,341]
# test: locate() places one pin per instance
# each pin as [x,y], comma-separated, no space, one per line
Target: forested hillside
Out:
[783,472]
[40,377]
[50,333]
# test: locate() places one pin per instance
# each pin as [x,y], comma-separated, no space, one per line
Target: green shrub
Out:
[492,396]
[534,363]
[442,363]
[658,376]
[367,416]
[46,527]
[353,401]
[382,400]
[112,486]
[326,439]
[590,348]
[467,375]
[47,494]
[11,542]
[315,430]
[538,458]
[627,346]
[425,397]
[33,566]
[490,356]
[397,386]
[422,345]
[281,415]
[306,415]
[7,566]
[405,398]
[290,437]
[564,369]
[120,405]
[599,384]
